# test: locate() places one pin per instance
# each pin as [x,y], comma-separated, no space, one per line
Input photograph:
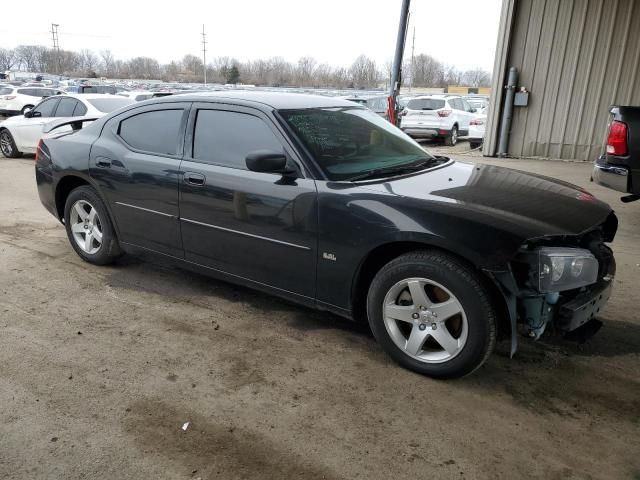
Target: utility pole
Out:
[204,54]
[56,45]
[413,49]
[396,74]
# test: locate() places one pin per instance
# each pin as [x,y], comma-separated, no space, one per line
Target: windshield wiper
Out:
[396,169]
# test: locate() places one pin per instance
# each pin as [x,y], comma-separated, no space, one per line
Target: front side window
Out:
[225,138]
[45,108]
[156,132]
[347,142]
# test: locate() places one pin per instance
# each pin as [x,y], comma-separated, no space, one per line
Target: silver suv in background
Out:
[437,116]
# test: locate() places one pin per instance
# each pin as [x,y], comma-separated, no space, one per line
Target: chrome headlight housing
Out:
[561,268]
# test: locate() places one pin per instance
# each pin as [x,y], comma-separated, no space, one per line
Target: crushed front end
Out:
[562,283]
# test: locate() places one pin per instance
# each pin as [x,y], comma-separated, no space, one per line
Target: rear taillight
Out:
[444,113]
[39,151]
[617,141]
[9,97]
[476,121]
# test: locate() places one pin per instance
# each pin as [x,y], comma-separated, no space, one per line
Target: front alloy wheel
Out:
[432,313]
[429,327]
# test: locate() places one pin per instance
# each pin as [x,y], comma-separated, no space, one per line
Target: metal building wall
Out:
[577,57]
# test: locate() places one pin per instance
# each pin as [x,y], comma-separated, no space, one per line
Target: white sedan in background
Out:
[21,134]
[477,127]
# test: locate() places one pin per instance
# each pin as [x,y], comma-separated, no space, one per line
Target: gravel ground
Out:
[100,368]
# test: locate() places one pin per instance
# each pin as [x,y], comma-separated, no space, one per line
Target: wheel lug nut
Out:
[422,326]
[415,315]
[423,308]
[434,326]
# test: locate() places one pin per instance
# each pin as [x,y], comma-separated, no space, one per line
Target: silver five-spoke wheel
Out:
[86,227]
[425,320]
[6,144]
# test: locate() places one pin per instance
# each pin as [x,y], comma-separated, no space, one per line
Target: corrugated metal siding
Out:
[577,57]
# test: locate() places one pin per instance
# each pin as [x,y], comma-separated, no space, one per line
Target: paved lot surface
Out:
[101,367]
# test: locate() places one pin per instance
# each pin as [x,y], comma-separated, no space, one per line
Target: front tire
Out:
[89,227]
[432,314]
[8,145]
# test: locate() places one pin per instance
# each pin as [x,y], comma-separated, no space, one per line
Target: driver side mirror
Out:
[28,113]
[266,161]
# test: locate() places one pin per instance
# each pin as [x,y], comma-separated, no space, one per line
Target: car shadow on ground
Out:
[183,284]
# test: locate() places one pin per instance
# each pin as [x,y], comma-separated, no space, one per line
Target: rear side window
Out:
[456,104]
[66,107]
[157,131]
[225,138]
[6,91]
[425,104]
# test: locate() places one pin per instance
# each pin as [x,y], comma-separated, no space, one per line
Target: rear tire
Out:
[432,314]
[8,145]
[451,139]
[89,227]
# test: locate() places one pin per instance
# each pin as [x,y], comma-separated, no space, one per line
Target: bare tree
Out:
[305,71]
[27,56]
[8,58]
[477,78]
[107,62]
[363,72]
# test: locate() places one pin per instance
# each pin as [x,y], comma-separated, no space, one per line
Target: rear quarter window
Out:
[6,91]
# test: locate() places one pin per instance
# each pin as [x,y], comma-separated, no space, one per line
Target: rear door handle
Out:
[103,162]
[196,179]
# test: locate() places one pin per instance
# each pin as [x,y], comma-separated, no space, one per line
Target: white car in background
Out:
[16,100]
[21,134]
[432,116]
[477,127]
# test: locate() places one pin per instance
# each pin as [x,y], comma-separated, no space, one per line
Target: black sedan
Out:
[325,203]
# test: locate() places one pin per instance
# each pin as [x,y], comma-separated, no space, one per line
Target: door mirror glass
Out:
[267,162]
[28,113]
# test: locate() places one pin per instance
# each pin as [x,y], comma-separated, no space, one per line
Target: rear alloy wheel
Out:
[89,227]
[432,314]
[452,138]
[7,145]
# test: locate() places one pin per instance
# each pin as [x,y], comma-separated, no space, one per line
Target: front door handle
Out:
[196,179]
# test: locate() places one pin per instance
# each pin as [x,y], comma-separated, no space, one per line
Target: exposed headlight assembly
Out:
[562,268]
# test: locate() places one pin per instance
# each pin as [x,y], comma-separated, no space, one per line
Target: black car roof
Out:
[276,100]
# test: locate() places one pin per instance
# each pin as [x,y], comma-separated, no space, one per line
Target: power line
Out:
[204,54]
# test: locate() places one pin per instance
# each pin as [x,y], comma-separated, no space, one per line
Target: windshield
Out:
[109,104]
[425,104]
[347,142]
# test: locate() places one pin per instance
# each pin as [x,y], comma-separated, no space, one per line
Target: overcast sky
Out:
[458,32]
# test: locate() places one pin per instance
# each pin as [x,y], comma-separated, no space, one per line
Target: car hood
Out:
[528,205]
